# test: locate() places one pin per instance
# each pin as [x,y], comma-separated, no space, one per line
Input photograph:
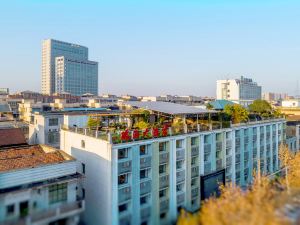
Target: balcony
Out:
[124,194]
[180,176]
[219,164]
[124,167]
[195,150]
[164,181]
[228,144]
[145,162]
[163,157]
[180,154]
[229,160]
[180,198]
[49,215]
[145,213]
[207,148]
[207,167]
[195,192]
[195,171]
[145,187]
[164,205]
[219,146]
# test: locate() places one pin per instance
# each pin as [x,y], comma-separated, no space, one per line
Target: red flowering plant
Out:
[136,134]
[146,133]
[125,135]
[164,131]
[155,132]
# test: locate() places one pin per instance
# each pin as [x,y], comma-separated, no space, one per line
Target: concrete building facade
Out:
[148,181]
[242,91]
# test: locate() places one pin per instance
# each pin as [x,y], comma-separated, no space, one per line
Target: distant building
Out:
[4,91]
[38,184]
[270,97]
[292,103]
[76,77]
[242,91]
[72,78]
[185,100]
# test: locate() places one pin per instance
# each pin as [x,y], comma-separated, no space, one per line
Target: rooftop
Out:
[30,156]
[4,107]
[11,136]
[167,107]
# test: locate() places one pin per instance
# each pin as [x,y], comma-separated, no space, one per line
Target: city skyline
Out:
[178,47]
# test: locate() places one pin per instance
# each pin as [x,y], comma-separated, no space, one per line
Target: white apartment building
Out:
[242,91]
[291,103]
[147,181]
[45,126]
[52,49]
[44,129]
[39,185]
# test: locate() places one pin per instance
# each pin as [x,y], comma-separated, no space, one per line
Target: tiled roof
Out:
[28,157]
[11,136]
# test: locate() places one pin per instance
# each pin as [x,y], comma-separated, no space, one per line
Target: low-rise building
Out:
[39,185]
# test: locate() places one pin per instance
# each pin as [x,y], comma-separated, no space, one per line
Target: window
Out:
[58,193]
[194,182]
[162,146]
[194,160]
[179,164]
[163,215]
[162,168]
[123,207]
[193,141]
[143,150]
[53,122]
[163,193]
[82,144]
[83,168]
[10,210]
[206,138]
[24,208]
[179,187]
[144,199]
[123,179]
[144,173]
[123,153]
[179,143]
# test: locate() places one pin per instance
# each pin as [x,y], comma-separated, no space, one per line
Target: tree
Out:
[261,107]
[93,123]
[141,125]
[237,113]
[209,106]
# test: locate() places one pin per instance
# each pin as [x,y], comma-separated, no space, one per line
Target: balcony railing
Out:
[145,162]
[48,215]
[124,136]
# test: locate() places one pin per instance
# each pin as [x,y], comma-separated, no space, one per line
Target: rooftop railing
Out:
[117,136]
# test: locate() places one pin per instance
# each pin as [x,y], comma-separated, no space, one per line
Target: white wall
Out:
[98,169]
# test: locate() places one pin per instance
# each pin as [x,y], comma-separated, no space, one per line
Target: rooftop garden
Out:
[139,124]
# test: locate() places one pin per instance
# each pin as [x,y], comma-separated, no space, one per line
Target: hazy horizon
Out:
[158,47]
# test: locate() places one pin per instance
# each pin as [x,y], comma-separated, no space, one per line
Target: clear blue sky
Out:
[157,47]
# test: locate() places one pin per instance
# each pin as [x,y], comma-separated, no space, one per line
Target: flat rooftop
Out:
[30,156]
[168,107]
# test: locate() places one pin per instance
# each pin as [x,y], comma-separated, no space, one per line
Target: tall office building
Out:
[76,71]
[242,91]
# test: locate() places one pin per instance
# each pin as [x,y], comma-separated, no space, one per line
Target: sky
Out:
[157,47]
